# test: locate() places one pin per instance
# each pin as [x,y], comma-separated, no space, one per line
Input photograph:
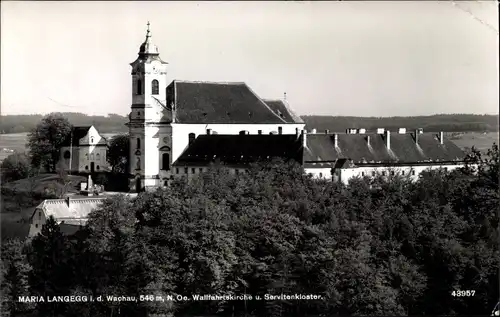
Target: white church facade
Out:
[179,129]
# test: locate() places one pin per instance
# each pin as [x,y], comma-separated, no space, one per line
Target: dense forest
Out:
[114,123]
[372,247]
[434,123]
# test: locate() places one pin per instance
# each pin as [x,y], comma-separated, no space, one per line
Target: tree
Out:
[45,141]
[118,153]
[52,273]
[16,166]
[15,269]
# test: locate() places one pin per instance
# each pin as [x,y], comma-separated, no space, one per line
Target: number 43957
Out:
[465,293]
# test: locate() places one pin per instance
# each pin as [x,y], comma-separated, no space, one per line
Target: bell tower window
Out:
[154,87]
[139,87]
[138,143]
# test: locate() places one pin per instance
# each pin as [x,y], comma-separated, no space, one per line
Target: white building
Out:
[165,119]
[70,214]
[85,151]
[337,157]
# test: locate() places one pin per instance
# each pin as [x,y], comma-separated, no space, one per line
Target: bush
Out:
[16,166]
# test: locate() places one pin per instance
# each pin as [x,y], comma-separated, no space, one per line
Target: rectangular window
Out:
[373,173]
[186,170]
[321,175]
[40,215]
[193,170]
[383,173]
[236,171]
[402,172]
[393,173]
[201,169]
[177,170]
[362,173]
[413,172]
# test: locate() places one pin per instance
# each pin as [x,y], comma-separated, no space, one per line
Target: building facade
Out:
[85,151]
[332,156]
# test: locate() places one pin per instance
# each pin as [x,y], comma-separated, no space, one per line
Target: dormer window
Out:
[155,87]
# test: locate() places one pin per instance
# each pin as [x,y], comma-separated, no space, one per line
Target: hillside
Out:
[24,123]
[114,123]
[434,123]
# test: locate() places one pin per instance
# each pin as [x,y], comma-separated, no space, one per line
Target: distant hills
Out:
[434,123]
[114,123]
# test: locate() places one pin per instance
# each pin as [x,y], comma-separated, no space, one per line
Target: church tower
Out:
[149,82]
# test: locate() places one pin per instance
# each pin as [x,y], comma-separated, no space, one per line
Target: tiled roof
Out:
[78,133]
[282,109]
[240,149]
[75,213]
[403,148]
[206,102]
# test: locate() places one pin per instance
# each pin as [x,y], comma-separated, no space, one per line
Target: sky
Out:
[348,58]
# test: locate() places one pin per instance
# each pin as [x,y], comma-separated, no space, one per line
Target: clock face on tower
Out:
[156,67]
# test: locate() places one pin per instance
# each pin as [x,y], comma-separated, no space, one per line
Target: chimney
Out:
[327,131]
[380,131]
[336,140]
[313,131]
[259,132]
[416,136]
[388,139]
[209,131]
[368,140]
[296,131]
[402,130]
[280,130]
[441,137]
[362,131]
[304,138]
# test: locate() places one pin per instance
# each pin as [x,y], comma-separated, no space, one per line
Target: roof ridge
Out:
[209,82]
[265,104]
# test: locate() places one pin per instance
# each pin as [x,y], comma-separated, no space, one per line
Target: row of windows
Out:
[384,173]
[97,156]
[193,170]
[87,167]
[155,88]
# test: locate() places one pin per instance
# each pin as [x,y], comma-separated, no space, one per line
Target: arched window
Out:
[154,87]
[87,156]
[92,156]
[165,162]
[139,87]
[138,143]
[67,155]
[97,167]
[91,140]
[98,157]
[86,167]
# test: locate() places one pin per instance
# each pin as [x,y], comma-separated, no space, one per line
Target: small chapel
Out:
[166,117]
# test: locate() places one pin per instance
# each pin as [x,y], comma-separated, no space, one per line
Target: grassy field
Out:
[16,141]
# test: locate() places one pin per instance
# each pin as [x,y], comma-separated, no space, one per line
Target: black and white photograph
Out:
[249,158]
